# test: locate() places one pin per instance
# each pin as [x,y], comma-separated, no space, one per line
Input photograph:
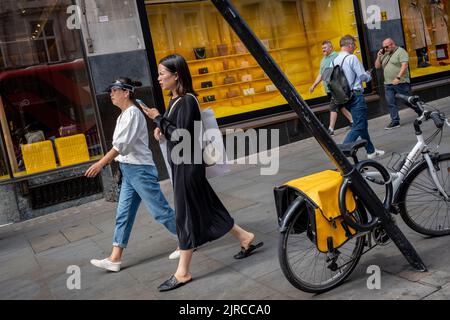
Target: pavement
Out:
[38,257]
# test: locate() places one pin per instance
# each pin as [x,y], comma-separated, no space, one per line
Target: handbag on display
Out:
[206,84]
[222,49]
[240,48]
[226,65]
[68,130]
[209,98]
[200,53]
[34,136]
[229,79]
[441,54]
[246,77]
[203,70]
[265,42]
[249,91]
[232,94]
[270,88]
[245,64]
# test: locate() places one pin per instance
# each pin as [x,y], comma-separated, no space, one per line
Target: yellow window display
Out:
[426,29]
[225,75]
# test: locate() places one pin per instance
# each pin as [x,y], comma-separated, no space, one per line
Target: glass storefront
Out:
[426,30]
[225,75]
[46,109]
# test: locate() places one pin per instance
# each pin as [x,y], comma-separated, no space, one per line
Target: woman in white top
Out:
[139,174]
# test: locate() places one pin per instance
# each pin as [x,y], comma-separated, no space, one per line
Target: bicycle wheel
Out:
[422,206]
[310,270]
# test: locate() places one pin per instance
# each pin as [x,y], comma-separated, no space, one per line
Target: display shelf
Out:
[5,177]
[224,71]
[231,84]
[236,55]
[238,97]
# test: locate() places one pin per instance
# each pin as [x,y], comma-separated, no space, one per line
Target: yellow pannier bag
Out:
[322,189]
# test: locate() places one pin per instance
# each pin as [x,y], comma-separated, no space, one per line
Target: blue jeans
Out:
[358,108]
[140,182]
[389,91]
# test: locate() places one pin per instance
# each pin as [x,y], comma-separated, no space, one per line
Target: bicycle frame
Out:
[397,177]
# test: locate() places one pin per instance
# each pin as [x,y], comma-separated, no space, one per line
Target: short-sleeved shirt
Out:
[325,63]
[130,138]
[392,64]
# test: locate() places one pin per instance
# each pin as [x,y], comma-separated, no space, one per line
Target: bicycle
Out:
[313,269]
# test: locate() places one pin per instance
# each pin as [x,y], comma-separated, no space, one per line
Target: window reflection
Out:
[46,108]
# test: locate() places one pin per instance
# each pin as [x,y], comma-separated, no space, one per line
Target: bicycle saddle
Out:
[350,149]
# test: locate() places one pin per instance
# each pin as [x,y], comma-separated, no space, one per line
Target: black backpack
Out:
[337,84]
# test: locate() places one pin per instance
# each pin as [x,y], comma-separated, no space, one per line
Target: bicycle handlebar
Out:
[407,99]
[417,105]
[412,101]
[438,121]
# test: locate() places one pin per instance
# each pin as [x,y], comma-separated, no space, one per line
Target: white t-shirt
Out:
[130,138]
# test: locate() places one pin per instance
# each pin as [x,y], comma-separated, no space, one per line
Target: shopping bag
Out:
[214,151]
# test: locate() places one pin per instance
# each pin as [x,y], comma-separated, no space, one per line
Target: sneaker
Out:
[106,264]
[330,132]
[377,153]
[175,255]
[392,125]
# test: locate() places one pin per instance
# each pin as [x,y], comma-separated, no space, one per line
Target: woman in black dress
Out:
[200,215]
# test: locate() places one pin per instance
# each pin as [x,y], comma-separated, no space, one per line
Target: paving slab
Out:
[48,241]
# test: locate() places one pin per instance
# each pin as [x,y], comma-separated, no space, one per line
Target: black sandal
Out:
[244,253]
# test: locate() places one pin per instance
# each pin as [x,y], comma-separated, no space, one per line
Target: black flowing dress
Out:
[200,215]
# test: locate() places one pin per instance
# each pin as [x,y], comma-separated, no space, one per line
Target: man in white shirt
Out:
[356,75]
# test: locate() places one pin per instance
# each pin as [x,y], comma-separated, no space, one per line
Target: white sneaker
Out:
[106,264]
[377,153]
[175,255]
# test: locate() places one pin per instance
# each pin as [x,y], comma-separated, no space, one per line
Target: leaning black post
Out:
[313,125]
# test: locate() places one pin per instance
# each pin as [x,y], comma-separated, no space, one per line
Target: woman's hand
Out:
[94,170]
[152,113]
[157,133]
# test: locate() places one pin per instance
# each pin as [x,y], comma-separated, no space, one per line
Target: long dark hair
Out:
[177,64]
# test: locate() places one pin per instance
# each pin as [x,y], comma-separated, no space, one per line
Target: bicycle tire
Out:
[418,185]
[290,270]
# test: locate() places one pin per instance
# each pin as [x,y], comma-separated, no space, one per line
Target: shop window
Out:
[426,28]
[225,75]
[46,108]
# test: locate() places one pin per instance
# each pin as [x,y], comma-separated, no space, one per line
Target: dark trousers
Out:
[389,91]
[358,108]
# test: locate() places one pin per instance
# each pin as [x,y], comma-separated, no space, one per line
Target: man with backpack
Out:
[346,75]
[328,55]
